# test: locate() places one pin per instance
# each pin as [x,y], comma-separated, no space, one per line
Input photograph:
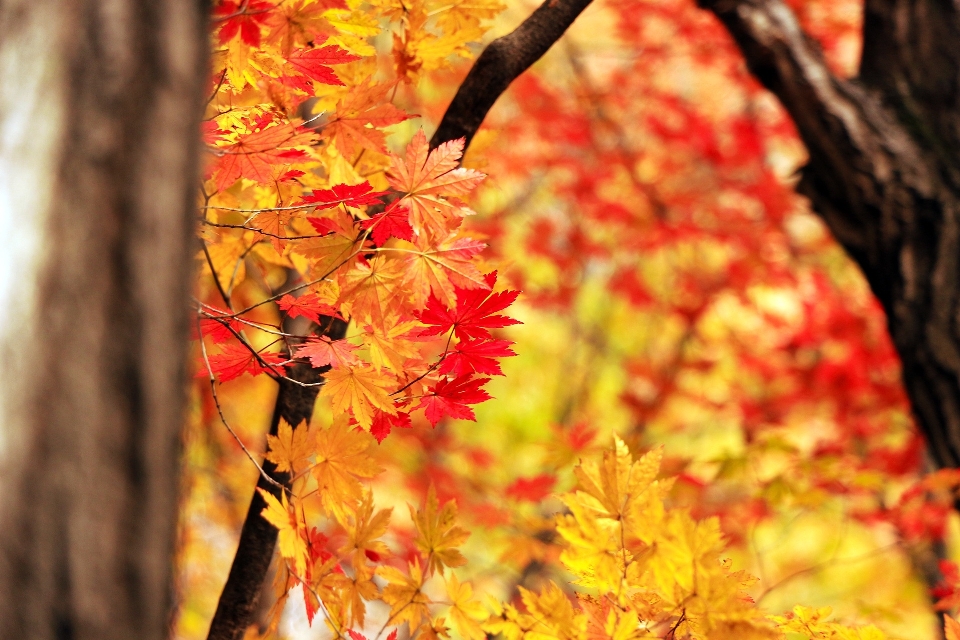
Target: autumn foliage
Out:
[701,388]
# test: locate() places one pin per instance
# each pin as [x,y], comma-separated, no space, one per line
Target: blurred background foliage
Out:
[676,292]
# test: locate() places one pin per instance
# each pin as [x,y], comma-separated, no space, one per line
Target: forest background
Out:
[676,292]
[587,380]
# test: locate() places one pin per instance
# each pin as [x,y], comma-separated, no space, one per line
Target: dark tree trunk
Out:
[884,172]
[100,103]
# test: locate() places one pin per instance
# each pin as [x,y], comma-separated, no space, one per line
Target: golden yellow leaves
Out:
[342,459]
[291,542]
[340,581]
[438,535]
[362,389]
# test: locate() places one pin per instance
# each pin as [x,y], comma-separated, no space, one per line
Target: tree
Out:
[101,103]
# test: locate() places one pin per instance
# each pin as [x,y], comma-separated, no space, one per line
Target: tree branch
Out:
[239,599]
[501,63]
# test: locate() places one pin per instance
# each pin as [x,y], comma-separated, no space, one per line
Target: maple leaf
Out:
[322,352]
[364,528]
[426,179]
[219,330]
[274,224]
[532,489]
[391,346]
[383,423]
[951,627]
[439,269]
[451,397]
[354,591]
[237,359]
[404,594]
[254,155]
[438,534]
[359,195]
[459,15]
[476,356]
[474,314]
[290,448]
[360,117]
[244,17]
[464,612]
[330,252]
[315,63]
[359,389]
[292,544]
[342,458]
[393,222]
[369,291]
[298,22]
[308,306]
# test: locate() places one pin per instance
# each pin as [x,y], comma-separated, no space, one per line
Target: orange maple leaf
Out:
[427,179]
[255,155]
[360,118]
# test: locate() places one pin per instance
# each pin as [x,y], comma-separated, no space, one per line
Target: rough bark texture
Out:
[100,103]
[241,593]
[884,172]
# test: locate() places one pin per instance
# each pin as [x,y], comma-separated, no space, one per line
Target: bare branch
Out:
[501,63]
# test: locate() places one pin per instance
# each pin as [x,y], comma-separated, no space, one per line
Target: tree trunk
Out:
[884,172]
[100,102]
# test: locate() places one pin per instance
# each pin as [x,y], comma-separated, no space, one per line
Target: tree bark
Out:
[884,172]
[100,105]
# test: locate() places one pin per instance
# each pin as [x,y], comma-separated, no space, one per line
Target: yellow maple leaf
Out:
[388,347]
[342,459]
[438,535]
[404,594]
[553,613]
[360,389]
[455,16]
[465,613]
[354,591]
[363,528]
[427,178]
[290,448]
[292,544]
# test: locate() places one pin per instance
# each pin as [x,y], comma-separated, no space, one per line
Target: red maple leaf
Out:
[474,314]
[315,63]
[237,359]
[324,352]
[307,306]
[358,195]
[383,423]
[243,17]
[218,329]
[532,489]
[395,221]
[451,397]
[470,356]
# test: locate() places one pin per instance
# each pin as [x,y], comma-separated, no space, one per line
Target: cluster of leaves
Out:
[679,291]
[298,196]
[644,569]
